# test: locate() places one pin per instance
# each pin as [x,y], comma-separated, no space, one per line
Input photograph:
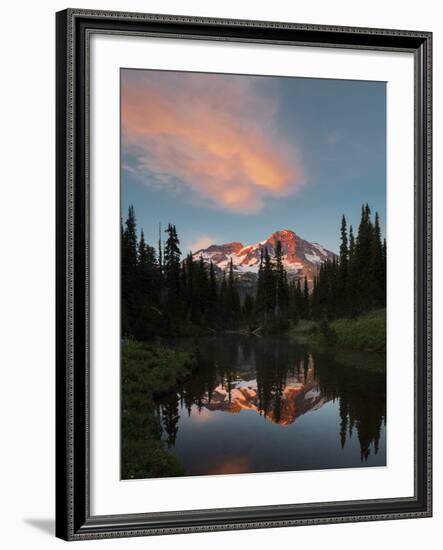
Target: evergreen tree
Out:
[350,305]
[223,308]
[189,285]
[281,283]
[269,286]
[162,295]
[363,259]
[357,282]
[202,296]
[351,243]
[160,252]
[248,311]
[147,286]
[377,267]
[171,267]
[129,273]
[259,297]
[211,315]
[233,299]
[306,299]
[299,300]
[344,242]
[314,298]
[130,238]
[340,305]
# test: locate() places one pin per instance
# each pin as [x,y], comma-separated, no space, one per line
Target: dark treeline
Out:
[164,295]
[355,283]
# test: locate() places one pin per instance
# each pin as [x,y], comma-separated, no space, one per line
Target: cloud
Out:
[213,137]
[192,241]
[202,242]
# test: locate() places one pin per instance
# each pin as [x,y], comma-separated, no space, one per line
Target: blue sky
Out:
[235,158]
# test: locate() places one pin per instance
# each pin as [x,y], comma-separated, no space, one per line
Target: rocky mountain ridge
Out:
[300,257]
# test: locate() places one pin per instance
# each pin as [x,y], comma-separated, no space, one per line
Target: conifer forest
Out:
[164,294]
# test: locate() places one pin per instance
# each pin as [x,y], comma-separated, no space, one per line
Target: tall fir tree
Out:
[211,315]
[233,299]
[341,302]
[281,283]
[306,308]
[377,267]
[223,308]
[362,258]
[129,273]
[147,312]
[351,293]
[160,248]
[171,268]
[203,289]
[189,286]
[269,286]
[343,241]
[259,295]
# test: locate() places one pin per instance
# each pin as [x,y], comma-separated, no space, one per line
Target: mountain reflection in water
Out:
[271,404]
[295,398]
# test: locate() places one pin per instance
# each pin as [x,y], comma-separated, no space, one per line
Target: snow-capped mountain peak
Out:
[300,257]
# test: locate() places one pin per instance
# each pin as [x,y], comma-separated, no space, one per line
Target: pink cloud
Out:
[212,136]
[202,242]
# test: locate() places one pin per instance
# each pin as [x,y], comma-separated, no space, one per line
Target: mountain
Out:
[300,257]
[298,397]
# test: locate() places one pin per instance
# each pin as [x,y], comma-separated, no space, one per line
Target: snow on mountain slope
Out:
[300,257]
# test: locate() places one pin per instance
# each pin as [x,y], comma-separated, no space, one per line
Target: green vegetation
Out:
[165,295]
[364,333]
[148,371]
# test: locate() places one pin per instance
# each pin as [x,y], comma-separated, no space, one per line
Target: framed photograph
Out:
[243,274]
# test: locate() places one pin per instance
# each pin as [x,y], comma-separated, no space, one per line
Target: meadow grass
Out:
[365,333]
[147,371]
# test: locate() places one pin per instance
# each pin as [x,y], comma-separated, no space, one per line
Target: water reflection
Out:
[254,391]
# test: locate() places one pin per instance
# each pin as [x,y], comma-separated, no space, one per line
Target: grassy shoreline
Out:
[148,370]
[365,333]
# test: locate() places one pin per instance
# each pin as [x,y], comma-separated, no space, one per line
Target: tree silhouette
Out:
[165,295]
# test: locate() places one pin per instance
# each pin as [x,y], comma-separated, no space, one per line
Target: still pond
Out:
[266,404]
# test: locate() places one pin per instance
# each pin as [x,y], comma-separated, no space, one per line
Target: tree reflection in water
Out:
[281,380]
